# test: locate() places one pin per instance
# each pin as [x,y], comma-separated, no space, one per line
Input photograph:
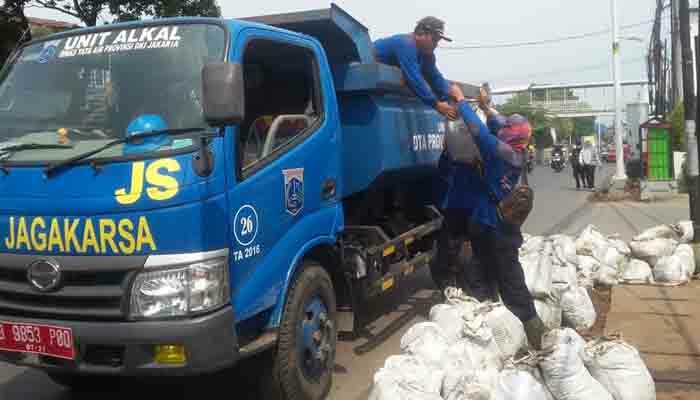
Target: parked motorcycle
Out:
[557,163]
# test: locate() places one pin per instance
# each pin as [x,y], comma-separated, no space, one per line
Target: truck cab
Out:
[180,194]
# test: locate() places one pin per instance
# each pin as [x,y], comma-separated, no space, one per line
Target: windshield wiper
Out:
[53,168]
[7,151]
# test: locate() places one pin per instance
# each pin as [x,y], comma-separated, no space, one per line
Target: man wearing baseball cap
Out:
[414,53]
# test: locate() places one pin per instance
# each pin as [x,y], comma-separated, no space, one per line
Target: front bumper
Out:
[127,348]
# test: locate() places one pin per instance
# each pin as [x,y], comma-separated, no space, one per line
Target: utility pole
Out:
[676,58]
[620,174]
[690,114]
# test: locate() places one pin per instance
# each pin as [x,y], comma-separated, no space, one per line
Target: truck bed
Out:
[388,134]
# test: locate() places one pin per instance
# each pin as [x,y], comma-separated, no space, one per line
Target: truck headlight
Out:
[181,291]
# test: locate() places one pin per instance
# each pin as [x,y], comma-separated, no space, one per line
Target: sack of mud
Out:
[658,232]
[508,330]
[587,266]
[426,341]
[538,275]
[653,250]
[521,381]
[637,271]
[407,378]
[563,370]
[619,368]
[565,249]
[687,255]
[470,361]
[686,231]
[671,270]
[589,240]
[550,312]
[606,276]
[451,317]
[577,309]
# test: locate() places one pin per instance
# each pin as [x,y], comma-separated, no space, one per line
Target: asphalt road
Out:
[556,204]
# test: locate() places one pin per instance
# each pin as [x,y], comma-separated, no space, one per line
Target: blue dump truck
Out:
[178,195]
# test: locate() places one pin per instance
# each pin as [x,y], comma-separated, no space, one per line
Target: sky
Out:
[471,22]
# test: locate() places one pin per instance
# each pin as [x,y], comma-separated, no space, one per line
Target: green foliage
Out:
[678,127]
[584,126]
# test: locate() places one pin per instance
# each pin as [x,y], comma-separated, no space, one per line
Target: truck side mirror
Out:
[223,93]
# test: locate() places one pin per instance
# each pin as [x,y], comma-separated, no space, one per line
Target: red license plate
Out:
[48,340]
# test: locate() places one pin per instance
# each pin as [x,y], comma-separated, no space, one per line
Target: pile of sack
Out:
[479,351]
[659,255]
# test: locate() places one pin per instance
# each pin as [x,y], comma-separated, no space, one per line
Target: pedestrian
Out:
[495,242]
[589,161]
[414,53]
[576,166]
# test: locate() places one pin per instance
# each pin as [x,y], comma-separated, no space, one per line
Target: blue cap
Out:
[142,124]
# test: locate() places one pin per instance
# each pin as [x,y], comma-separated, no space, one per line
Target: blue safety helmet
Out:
[146,123]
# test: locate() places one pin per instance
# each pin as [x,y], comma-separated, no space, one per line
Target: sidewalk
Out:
[662,322]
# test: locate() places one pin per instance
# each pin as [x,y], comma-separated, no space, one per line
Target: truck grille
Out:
[83,294]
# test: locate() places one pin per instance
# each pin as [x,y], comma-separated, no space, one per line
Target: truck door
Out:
[287,163]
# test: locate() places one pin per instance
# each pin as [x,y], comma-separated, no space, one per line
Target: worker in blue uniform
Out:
[495,243]
[414,53]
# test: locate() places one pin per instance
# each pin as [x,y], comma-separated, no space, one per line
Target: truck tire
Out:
[302,363]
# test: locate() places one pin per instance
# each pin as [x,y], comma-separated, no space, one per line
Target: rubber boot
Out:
[535,330]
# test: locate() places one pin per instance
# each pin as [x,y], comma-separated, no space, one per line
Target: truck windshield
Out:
[86,90]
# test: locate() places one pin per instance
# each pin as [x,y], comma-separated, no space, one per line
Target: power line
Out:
[578,69]
[545,41]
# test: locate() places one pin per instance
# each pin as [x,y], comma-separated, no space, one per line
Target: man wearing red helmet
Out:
[495,242]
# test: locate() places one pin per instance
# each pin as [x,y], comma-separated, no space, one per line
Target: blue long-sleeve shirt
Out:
[465,188]
[420,70]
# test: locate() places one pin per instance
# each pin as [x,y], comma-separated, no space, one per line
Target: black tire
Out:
[288,381]
[86,383]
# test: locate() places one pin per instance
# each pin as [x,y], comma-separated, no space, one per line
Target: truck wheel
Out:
[303,361]
[84,383]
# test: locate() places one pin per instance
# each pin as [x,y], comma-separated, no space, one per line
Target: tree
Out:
[180,8]
[538,117]
[677,127]
[584,126]
[88,11]
[14,27]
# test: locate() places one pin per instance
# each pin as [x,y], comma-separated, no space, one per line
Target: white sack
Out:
[426,341]
[565,249]
[564,372]
[450,318]
[619,368]
[612,257]
[508,331]
[606,276]
[470,361]
[471,391]
[549,312]
[657,232]
[532,245]
[586,267]
[687,256]
[564,274]
[637,271]
[520,384]
[619,244]
[685,228]
[589,240]
[577,309]
[538,276]
[670,270]
[406,378]
[652,250]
